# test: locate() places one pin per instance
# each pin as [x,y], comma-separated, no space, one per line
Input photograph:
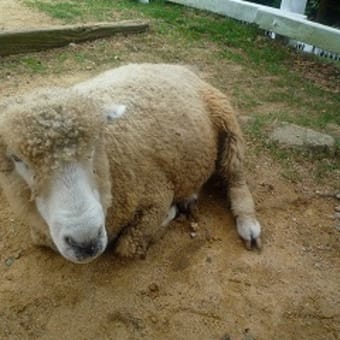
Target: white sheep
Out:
[111,157]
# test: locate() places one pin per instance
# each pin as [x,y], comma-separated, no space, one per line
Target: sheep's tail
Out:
[230,162]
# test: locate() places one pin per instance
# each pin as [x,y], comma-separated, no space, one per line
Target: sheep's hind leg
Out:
[242,206]
[230,166]
[242,203]
[135,241]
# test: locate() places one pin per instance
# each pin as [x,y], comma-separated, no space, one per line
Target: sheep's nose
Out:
[84,249]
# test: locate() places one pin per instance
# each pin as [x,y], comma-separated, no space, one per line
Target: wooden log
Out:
[13,42]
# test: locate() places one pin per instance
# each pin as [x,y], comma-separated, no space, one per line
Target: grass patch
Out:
[34,64]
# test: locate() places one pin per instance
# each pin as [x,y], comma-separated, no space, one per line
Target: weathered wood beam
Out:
[274,20]
[13,42]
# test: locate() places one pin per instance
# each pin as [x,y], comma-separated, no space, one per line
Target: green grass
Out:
[34,64]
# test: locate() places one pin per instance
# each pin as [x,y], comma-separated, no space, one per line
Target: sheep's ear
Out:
[6,164]
[114,111]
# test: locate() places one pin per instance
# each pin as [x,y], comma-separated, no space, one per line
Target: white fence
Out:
[316,38]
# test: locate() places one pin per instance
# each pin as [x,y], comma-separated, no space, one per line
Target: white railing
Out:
[287,21]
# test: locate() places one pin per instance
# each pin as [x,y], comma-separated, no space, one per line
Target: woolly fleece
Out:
[177,130]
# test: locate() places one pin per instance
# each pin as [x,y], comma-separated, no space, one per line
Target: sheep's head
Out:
[52,145]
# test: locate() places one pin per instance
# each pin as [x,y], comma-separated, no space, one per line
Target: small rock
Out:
[9,261]
[194,226]
[153,287]
[193,235]
[294,136]
[337,208]
[337,195]
[153,319]
[72,44]
[337,215]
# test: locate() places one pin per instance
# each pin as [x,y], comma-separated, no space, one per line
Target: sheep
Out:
[112,158]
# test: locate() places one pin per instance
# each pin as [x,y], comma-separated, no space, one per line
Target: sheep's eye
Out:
[16,158]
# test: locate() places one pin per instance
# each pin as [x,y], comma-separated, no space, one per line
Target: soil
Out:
[201,285]
[15,16]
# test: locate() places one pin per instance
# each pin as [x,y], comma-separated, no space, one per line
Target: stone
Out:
[9,261]
[294,136]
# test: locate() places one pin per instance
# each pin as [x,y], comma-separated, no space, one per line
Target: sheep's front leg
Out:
[135,241]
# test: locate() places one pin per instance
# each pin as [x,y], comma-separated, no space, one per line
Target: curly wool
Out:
[176,132]
[46,132]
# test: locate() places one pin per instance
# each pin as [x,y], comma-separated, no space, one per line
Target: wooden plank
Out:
[272,19]
[13,42]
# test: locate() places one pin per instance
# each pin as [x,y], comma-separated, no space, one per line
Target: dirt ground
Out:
[202,287]
[15,16]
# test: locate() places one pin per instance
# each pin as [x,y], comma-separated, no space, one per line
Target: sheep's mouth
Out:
[83,252]
[86,254]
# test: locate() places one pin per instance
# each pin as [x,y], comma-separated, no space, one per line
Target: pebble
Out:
[18,255]
[194,226]
[337,215]
[9,261]
[193,235]
[337,208]
[153,287]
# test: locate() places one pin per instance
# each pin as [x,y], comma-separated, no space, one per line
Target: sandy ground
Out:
[202,287]
[15,16]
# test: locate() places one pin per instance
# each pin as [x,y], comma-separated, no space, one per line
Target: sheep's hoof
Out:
[253,243]
[249,230]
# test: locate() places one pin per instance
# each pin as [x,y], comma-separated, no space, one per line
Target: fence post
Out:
[296,7]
